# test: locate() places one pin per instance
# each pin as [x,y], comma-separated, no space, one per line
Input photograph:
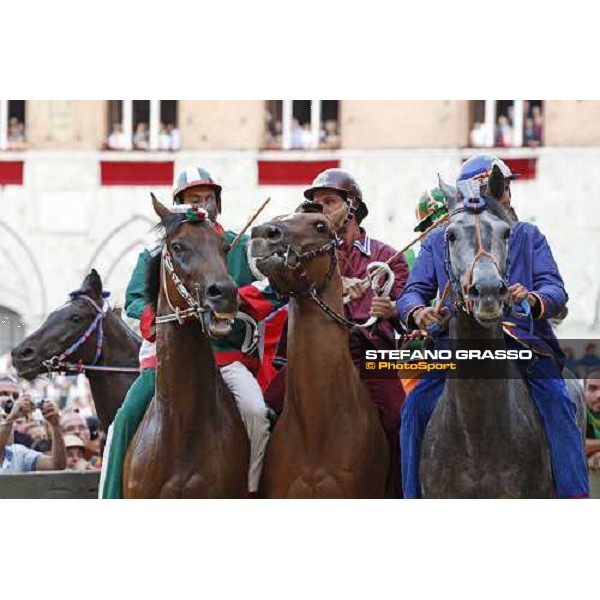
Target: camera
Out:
[8,405]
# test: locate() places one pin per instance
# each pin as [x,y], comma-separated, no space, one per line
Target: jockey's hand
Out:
[50,412]
[428,315]
[353,287]
[383,308]
[517,293]
[594,461]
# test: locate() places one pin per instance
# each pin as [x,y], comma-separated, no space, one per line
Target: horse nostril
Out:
[214,292]
[274,233]
[474,291]
[26,353]
[503,289]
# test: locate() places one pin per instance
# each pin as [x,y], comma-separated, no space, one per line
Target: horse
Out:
[485,438]
[328,441]
[85,335]
[192,442]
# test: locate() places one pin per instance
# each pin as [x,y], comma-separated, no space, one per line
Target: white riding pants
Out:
[253,410]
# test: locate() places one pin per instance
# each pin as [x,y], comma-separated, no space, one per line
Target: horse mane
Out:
[152,280]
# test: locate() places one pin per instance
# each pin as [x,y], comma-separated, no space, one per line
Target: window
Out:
[142,125]
[506,123]
[12,125]
[302,124]
[12,330]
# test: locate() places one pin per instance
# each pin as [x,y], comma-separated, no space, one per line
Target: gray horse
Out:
[485,438]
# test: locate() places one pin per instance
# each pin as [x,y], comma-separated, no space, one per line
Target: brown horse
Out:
[191,443]
[85,329]
[328,442]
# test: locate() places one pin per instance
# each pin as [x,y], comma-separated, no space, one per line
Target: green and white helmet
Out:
[431,207]
[195,176]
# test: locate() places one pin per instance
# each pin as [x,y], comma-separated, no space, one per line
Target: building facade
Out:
[69,202]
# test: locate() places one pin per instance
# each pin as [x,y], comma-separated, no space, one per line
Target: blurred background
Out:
[75,178]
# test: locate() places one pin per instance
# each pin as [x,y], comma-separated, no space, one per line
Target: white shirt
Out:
[19,459]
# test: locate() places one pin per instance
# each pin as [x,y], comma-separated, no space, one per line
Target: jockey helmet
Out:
[194,176]
[431,206]
[342,182]
[476,171]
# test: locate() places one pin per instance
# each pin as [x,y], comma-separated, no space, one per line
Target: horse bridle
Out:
[58,363]
[194,307]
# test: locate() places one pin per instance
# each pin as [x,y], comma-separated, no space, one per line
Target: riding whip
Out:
[250,221]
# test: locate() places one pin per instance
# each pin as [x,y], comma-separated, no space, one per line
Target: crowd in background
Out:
[301,135]
[504,135]
[28,431]
[168,138]
[16,134]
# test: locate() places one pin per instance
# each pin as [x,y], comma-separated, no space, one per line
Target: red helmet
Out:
[342,182]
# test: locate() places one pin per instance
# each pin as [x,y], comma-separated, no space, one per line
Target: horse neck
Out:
[321,377]
[186,374]
[120,348]
[474,398]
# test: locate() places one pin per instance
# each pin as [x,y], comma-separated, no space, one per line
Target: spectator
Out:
[16,134]
[570,362]
[164,139]
[297,134]
[75,454]
[117,140]
[175,138]
[73,423]
[15,458]
[477,136]
[538,122]
[592,400]
[510,113]
[590,359]
[95,447]
[504,134]
[306,136]
[330,135]
[141,137]
[530,137]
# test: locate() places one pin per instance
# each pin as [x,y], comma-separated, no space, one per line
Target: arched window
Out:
[12,329]
[142,125]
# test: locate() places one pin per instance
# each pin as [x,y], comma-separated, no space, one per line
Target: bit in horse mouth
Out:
[220,324]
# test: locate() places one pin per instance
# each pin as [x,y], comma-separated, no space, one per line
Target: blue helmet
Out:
[475,173]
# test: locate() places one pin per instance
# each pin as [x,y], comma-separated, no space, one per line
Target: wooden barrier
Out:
[51,484]
[84,485]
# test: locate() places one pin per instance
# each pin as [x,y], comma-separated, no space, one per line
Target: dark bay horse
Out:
[328,441]
[485,438]
[192,442]
[85,329]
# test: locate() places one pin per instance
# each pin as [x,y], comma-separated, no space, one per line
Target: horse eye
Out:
[451,237]
[176,248]
[76,318]
[226,247]
[506,234]
[320,227]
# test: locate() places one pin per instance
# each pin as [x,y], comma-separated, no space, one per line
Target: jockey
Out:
[332,189]
[195,186]
[534,276]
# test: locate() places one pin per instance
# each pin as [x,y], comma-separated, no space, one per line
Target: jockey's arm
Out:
[259,300]
[421,287]
[548,286]
[400,268]
[135,301]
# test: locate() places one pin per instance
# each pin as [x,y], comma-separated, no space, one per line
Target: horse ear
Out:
[160,209]
[496,183]
[449,193]
[92,284]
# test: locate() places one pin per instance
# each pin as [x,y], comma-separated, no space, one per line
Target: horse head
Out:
[73,331]
[297,252]
[195,280]
[477,248]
